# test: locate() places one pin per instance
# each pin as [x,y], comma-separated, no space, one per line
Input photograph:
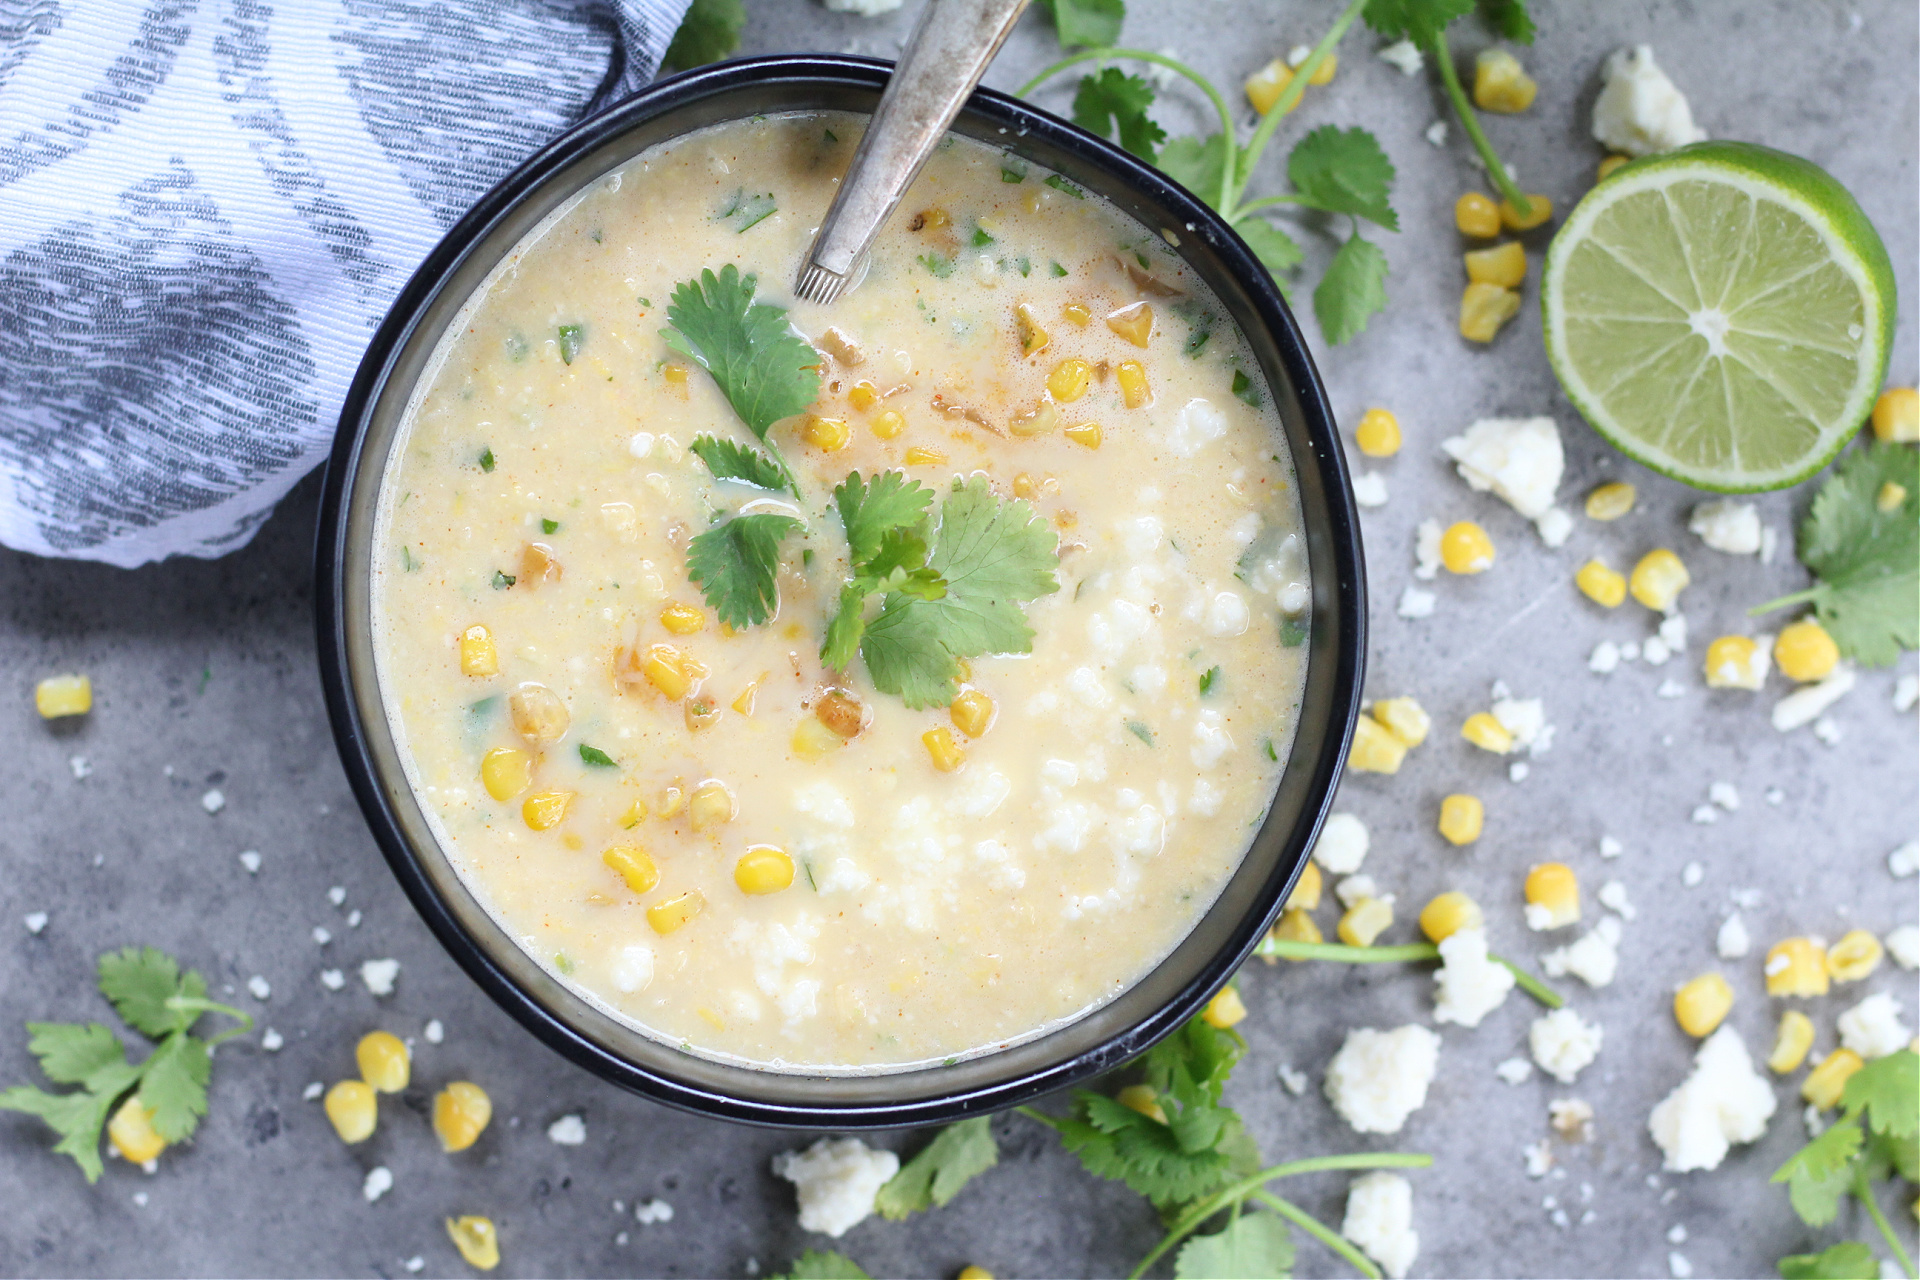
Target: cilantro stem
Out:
[195,1004]
[1319,1231]
[1289,97]
[1799,597]
[1411,951]
[1863,1192]
[1450,77]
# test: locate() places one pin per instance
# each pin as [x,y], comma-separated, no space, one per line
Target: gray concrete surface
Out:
[205,679]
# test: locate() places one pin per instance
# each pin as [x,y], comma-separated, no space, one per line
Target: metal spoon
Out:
[945,57]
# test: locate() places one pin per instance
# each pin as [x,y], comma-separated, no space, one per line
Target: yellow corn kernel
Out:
[538,714]
[1797,967]
[1364,921]
[1805,652]
[1487,733]
[1500,83]
[814,741]
[544,810]
[764,868]
[667,916]
[918,457]
[1078,314]
[1890,497]
[1461,819]
[670,671]
[674,373]
[828,435]
[1539,210]
[710,805]
[935,217]
[1504,265]
[1826,1083]
[1133,322]
[1306,890]
[634,865]
[1896,415]
[1070,380]
[683,619]
[460,1112]
[474,1237]
[132,1133]
[1466,548]
[946,754]
[1404,718]
[1791,1041]
[1658,579]
[862,396]
[672,800]
[1729,664]
[1375,749]
[1602,585]
[1378,434]
[537,565]
[1323,74]
[1448,914]
[744,702]
[1295,925]
[1033,336]
[1553,896]
[1141,1098]
[478,656]
[58,696]
[1484,308]
[1476,215]
[1086,434]
[887,424]
[1702,1004]
[1225,1010]
[1608,165]
[350,1107]
[1856,955]
[1135,392]
[971,1272]
[383,1061]
[1265,86]
[505,772]
[1035,422]
[972,712]
[1611,501]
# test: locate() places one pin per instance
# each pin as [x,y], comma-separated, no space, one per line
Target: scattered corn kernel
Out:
[1366,920]
[1797,967]
[972,712]
[764,868]
[744,702]
[1306,890]
[460,1112]
[544,810]
[1500,83]
[1553,896]
[478,656]
[1487,733]
[1375,749]
[505,772]
[1141,1098]
[538,714]
[1404,718]
[828,435]
[1134,323]
[1856,955]
[1805,652]
[1608,165]
[474,1237]
[1611,501]
[132,1133]
[1077,314]
[1702,1004]
[1826,1083]
[1323,74]
[1265,86]
[537,565]
[710,805]
[674,373]
[1890,497]
[1225,1010]
[1466,548]
[1658,579]
[1790,1042]
[862,396]
[670,671]
[1896,415]
[672,800]
[683,619]
[635,815]
[1135,392]
[1461,819]
[634,865]
[58,696]
[946,754]
[1295,925]
[1476,215]
[383,1061]
[667,916]
[350,1107]
[1035,422]
[1484,308]
[1448,914]
[1086,434]
[918,457]
[1605,587]
[1069,380]
[1033,336]
[813,741]
[935,217]
[887,424]
[1504,265]
[971,1272]
[1539,210]
[1378,434]
[1729,664]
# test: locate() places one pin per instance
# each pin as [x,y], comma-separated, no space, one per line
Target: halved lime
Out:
[1722,313]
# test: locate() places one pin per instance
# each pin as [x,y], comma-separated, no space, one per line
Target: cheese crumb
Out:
[379,975]
[435,1032]
[1873,1028]
[1380,1220]
[1572,1119]
[1639,111]
[332,979]
[1470,986]
[1353,890]
[1379,1078]
[1539,1158]
[1342,845]
[1405,55]
[1810,702]
[1678,1267]
[649,1212]
[35,921]
[259,988]
[251,861]
[313,1091]
[1519,459]
[1563,1044]
[1426,550]
[864,8]
[1593,958]
[1728,526]
[272,1041]
[1514,1070]
[1437,133]
[1613,896]
[1370,489]
[1611,848]
[337,895]
[1526,720]
[567,1131]
[1903,944]
[1722,1102]
[1294,1081]
[1732,941]
[1906,692]
[633,970]
[1692,874]
[1724,794]
[213,802]
[1905,860]
[836,1180]
[1605,658]
[1415,603]
[378,1182]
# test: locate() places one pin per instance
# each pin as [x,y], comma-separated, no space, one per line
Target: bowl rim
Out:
[1336,643]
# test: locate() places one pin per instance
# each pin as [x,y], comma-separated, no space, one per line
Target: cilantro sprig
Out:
[737,564]
[823,1264]
[709,32]
[152,995]
[958,1154]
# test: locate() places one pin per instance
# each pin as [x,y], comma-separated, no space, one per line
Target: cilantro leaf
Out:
[1254,1246]
[140,980]
[1887,1089]
[736,565]
[1194,163]
[572,336]
[745,210]
[1820,1173]
[990,548]
[1344,171]
[1867,560]
[869,510]
[73,1054]
[709,32]
[1848,1260]
[846,629]
[766,371]
[821,1264]
[938,265]
[77,1117]
[1085,22]
[1275,248]
[597,758]
[1353,288]
[1509,18]
[1111,102]
[1117,1142]
[730,461]
[956,1155]
[1422,21]
[173,1085]
[1208,679]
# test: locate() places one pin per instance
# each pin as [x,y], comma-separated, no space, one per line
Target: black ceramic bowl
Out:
[1110,1035]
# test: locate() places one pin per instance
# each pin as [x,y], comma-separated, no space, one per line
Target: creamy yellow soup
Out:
[705,829]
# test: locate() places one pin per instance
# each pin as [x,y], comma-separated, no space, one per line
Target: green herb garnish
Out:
[736,563]
[1085,22]
[1111,101]
[765,370]
[821,1264]
[549,526]
[744,211]
[937,265]
[1268,749]
[709,32]
[1293,632]
[501,580]
[1010,174]
[1245,388]
[1209,678]
[1877,1138]
[571,336]
[981,237]
[486,460]
[1059,183]
[935,1176]
[1139,729]
[1057,270]
[730,461]
[596,757]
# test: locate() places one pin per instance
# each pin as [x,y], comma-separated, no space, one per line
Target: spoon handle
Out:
[945,57]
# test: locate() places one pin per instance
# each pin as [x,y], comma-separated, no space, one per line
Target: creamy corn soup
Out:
[959,837]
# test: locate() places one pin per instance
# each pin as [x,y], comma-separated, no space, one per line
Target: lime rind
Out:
[1683,335]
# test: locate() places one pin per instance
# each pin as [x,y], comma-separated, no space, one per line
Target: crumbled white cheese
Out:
[1809,702]
[1572,1119]
[321,935]
[35,921]
[1227,615]
[649,1212]
[81,769]
[272,1041]
[1342,845]
[379,975]
[568,1131]
[633,969]
[337,895]
[1405,55]
[1639,110]
[1293,1080]
[1728,526]
[415,1265]
[1732,941]
[213,801]
[1678,1267]
[1593,959]
[1630,651]
[435,1032]
[1611,848]
[332,979]
[1906,692]
[1415,603]
[251,861]
[1673,632]
[1514,1070]
[1555,527]
[1670,689]
[1526,720]
[1724,794]
[1723,1101]
[1470,986]
[1354,890]
[1197,425]
[1299,54]
[1873,1028]
[379,1181]
[1655,652]
[1518,459]
[1426,550]
[259,988]
[1380,1220]
[1903,944]
[836,1180]
[1539,1158]
[1827,731]
[1518,771]
[1563,1044]
[1370,489]
[1676,1234]
[865,8]
[1750,673]
[1379,1078]
[1613,896]
[1437,133]
[1605,658]
[1705,814]
[313,1091]
[1692,874]
[1905,860]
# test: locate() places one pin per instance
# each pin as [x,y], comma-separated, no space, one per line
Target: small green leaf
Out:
[743,211]
[1209,678]
[1508,18]
[517,348]
[1275,248]
[1848,1260]
[766,371]
[1353,288]
[1819,1174]
[1085,22]
[1008,173]
[709,32]
[1887,1089]
[1867,561]
[486,460]
[958,1154]
[1195,163]
[1254,1246]
[980,238]
[1139,729]
[938,265]
[736,566]
[1024,266]
[77,1117]
[1293,632]
[1200,322]
[173,1085]
[1344,171]
[1245,388]
[502,580]
[70,1053]
[729,461]
[549,526]
[597,758]
[139,981]
[817,1264]
[1057,270]
[571,336]
[1112,103]
[1268,749]
[1059,183]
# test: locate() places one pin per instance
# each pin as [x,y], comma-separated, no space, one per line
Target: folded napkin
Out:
[205,209]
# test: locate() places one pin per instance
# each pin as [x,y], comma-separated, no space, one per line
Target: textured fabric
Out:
[205,209]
